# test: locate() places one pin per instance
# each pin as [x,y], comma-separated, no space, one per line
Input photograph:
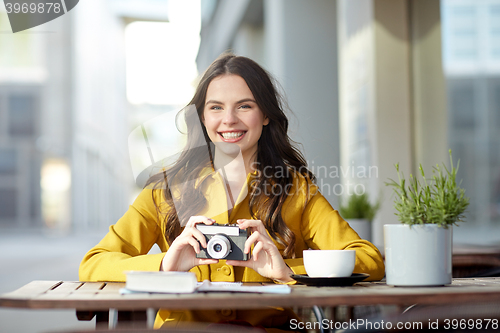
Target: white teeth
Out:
[231,135]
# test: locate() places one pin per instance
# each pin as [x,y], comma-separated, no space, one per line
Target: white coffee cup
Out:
[329,263]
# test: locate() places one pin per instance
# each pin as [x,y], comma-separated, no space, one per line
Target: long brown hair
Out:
[276,153]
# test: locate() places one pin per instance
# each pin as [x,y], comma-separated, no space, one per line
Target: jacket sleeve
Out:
[322,228]
[126,245]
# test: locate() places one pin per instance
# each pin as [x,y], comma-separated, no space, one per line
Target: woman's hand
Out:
[181,256]
[266,258]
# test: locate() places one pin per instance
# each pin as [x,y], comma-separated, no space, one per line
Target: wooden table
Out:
[92,297]
[476,260]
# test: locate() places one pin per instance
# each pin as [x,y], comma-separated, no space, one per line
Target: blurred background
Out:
[370,83]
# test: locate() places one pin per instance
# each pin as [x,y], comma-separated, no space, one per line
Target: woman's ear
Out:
[266,121]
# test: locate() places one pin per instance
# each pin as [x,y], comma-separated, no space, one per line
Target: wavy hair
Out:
[275,153]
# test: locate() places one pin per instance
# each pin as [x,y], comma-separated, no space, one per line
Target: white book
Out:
[186,282]
[161,282]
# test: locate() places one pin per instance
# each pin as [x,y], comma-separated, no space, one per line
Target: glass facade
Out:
[8,162]
[471,59]
[21,115]
[19,157]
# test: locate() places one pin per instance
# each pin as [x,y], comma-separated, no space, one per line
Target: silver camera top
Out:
[226,229]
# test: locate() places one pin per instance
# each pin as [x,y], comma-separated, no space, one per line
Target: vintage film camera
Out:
[224,241]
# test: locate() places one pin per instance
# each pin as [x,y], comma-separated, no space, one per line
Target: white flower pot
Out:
[420,255]
[363,228]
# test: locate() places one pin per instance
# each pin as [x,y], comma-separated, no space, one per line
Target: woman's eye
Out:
[215,107]
[245,106]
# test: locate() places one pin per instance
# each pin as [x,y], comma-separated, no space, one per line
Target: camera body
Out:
[224,241]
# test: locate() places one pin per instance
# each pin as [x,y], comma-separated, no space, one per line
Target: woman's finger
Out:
[186,234]
[254,237]
[190,223]
[193,220]
[252,224]
[256,250]
[194,244]
[203,261]
[242,263]
[199,236]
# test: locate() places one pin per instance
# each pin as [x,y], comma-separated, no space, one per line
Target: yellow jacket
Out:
[309,215]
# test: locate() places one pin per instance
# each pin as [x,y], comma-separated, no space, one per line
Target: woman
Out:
[268,191]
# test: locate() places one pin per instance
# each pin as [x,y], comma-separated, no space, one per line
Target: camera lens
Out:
[218,247]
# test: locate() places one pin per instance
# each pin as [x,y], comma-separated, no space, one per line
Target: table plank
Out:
[90,287]
[22,296]
[365,293]
[64,288]
[112,287]
[33,288]
[59,292]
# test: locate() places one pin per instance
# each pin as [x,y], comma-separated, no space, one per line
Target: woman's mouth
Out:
[232,136]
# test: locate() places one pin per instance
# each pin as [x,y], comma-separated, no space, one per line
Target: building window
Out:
[461,104]
[495,101]
[8,162]
[21,115]
[469,27]
[8,203]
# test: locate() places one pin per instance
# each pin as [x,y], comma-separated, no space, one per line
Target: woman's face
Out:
[231,114]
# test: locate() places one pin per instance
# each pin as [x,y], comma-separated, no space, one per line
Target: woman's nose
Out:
[230,117]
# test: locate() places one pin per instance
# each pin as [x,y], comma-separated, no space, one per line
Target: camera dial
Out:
[218,246]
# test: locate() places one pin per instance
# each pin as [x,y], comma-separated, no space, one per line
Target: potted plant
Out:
[359,212]
[418,252]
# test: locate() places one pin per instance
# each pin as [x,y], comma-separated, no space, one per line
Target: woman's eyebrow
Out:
[246,100]
[212,101]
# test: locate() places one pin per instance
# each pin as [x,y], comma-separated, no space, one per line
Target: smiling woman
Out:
[232,115]
[283,212]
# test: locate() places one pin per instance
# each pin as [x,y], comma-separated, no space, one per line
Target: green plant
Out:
[438,200]
[358,206]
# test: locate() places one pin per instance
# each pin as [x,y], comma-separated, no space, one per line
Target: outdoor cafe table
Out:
[99,297]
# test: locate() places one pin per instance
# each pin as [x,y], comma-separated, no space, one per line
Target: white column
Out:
[300,49]
[392,116]
[429,87]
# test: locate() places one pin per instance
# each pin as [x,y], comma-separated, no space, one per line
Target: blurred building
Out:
[64,117]
[471,54]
